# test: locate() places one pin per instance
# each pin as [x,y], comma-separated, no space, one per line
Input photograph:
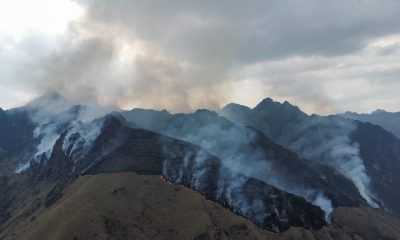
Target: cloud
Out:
[257,31]
[361,81]
[183,55]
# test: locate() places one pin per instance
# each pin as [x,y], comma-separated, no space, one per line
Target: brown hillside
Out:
[131,206]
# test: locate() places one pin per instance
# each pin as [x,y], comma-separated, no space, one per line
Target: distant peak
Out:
[164,111]
[270,102]
[377,111]
[350,112]
[112,120]
[113,117]
[267,101]
[205,111]
[231,106]
[270,105]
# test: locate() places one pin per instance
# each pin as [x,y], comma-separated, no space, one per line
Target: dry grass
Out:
[131,206]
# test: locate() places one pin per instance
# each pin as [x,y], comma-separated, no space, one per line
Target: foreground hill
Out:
[131,206]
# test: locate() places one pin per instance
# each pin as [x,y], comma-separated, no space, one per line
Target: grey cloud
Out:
[188,54]
[253,31]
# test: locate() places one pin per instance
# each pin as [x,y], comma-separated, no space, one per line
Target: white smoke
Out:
[325,204]
[328,142]
[22,167]
[48,136]
[240,153]
[347,161]
[80,137]
[53,114]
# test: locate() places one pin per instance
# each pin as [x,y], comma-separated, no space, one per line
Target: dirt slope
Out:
[131,206]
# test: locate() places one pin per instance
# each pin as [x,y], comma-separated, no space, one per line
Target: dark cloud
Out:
[253,31]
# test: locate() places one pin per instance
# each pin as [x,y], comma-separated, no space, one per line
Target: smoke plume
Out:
[52,115]
[327,140]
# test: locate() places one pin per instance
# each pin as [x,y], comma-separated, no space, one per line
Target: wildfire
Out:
[234,210]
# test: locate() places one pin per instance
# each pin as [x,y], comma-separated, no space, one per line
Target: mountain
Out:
[76,172]
[109,145]
[118,148]
[242,148]
[390,121]
[365,154]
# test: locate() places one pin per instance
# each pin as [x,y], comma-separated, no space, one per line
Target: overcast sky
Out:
[322,55]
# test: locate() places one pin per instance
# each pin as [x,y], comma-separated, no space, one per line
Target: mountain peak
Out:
[378,111]
[267,101]
[112,119]
[270,105]
[206,114]
[205,111]
[235,106]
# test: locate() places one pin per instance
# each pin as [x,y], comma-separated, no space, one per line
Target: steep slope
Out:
[381,155]
[131,206]
[248,151]
[246,172]
[15,131]
[62,146]
[36,126]
[108,145]
[390,121]
[346,145]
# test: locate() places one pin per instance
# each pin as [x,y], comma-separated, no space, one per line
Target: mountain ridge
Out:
[334,136]
[387,120]
[255,172]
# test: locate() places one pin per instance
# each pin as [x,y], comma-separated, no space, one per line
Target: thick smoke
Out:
[327,140]
[325,204]
[52,115]
[261,203]
[195,53]
[80,137]
[231,187]
[108,63]
[239,152]
[240,149]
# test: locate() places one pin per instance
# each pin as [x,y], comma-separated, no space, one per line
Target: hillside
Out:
[71,176]
[131,206]
[365,154]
